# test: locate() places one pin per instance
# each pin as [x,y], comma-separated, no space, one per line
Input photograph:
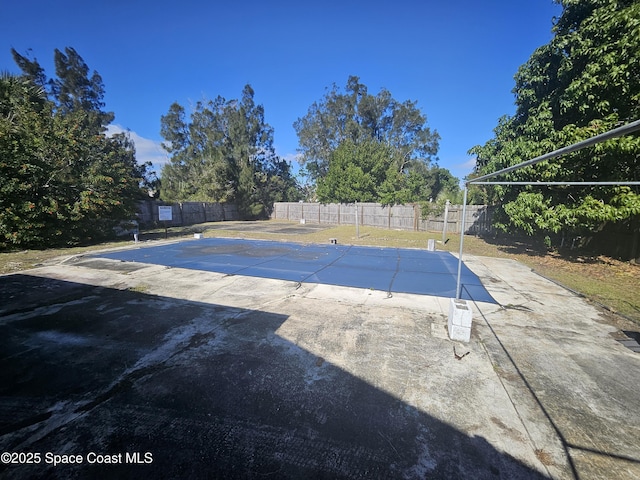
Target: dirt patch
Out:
[544,457]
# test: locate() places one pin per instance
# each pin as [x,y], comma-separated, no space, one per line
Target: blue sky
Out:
[455,58]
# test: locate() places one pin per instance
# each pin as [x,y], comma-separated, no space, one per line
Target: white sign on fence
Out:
[165,213]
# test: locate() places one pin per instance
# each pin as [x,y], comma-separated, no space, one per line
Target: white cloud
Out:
[469,165]
[147,150]
[293,158]
[460,167]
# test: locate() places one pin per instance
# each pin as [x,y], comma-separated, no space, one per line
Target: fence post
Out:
[459,281]
[446,220]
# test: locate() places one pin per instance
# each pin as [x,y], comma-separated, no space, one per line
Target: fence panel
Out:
[330,214]
[403,217]
[186,213]
[399,217]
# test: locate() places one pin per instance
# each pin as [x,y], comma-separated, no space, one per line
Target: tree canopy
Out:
[355,173]
[225,153]
[584,82]
[367,172]
[356,146]
[62,181]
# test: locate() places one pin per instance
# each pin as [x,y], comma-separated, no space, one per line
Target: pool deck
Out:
[203,374]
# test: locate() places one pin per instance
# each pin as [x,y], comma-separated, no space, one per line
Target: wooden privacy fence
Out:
[400,217]
[186,213]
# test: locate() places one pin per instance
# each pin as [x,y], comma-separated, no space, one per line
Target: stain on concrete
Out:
[196,374]
[207,390]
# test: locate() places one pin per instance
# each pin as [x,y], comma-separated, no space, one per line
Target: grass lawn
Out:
[604,280]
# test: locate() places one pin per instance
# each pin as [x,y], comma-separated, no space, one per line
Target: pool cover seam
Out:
[327,265]
[393,278]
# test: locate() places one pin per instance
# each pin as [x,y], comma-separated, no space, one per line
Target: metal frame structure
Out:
[615,133]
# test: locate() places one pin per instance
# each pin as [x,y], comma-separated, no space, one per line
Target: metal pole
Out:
[357,223]
[446,221]
[464,215]
[616,132]
[563,184]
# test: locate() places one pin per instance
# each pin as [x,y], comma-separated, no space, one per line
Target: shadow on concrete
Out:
[169,388]
[572,449]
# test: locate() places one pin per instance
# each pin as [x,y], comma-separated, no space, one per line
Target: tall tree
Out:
[225,152]
[355,173]
[62,181]
[368,171]
[358,116]
[31,69]
[584,82]
[24,119]
[74,89]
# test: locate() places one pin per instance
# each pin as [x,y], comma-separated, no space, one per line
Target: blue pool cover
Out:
[400,270]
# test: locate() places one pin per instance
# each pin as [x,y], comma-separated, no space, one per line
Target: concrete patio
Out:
[177,373]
